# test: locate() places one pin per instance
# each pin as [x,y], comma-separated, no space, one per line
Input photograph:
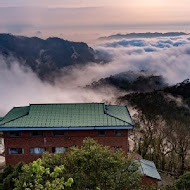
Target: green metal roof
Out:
[66,115]
[1,118]
[148,168]
[15,113]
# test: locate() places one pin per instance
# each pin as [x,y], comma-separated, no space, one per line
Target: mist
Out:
[19,86]
[169,57]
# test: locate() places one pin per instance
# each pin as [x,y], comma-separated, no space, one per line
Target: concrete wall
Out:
[48,141]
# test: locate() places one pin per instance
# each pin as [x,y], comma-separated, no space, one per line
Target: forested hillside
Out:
[131,81]
[162,131]
[45,57]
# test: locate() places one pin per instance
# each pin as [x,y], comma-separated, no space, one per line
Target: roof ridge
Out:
[105,111]
[64,103]
[16,117]
[6,115]
[117,118]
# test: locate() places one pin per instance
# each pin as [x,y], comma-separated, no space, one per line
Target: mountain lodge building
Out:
[29,131]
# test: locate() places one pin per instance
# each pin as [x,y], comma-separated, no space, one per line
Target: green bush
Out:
[183,183]
[35,176]
[96,166]
[7,182]
[92,166]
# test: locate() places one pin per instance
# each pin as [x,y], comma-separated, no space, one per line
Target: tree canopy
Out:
[91,166]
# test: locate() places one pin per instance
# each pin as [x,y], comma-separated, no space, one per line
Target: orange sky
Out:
[73,18]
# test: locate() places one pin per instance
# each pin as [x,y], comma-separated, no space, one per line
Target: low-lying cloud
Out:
[19,86]
[169,57]
[156,42]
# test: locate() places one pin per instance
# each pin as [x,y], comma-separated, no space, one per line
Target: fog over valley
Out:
[160,62]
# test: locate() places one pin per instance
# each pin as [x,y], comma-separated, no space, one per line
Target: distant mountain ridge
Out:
[131,81]
[45,57]
[143,35]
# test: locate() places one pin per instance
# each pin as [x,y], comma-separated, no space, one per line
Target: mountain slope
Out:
[131,81]
[162,132]
[143,35]
[45,57]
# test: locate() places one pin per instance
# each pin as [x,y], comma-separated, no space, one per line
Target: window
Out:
[116,148]
[60,133]
[36,133]
[101,132]
[59,150]
[14,134]
[118,133]
[16,151]
[37,150]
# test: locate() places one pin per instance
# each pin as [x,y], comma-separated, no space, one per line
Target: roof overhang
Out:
[64,128]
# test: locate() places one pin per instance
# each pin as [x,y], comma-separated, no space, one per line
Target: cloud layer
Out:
[19,86]
[169,57]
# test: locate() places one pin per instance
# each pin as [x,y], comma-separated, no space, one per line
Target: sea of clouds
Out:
[169,57]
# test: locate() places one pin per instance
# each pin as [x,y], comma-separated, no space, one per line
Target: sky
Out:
[86,20]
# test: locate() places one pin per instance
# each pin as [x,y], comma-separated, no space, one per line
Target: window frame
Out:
[59,135]
[119,131]
[8,134]
[31,135]
[9,151]
[37,153]
[54,148]
[99,134]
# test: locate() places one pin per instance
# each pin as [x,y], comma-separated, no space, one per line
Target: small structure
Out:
[29,131]
[149,172]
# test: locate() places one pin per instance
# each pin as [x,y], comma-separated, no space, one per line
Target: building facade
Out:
[29,131]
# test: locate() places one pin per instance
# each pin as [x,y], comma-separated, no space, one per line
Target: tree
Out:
[95,166]
[92,166]
[8,175]
[163,133]
[183,183]
[35,177]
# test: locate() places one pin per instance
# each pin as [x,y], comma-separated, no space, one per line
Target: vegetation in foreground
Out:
[92,166]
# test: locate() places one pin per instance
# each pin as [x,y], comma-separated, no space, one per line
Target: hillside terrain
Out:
[131,81]
[162,131]
[162,117]
[143,35]
[45,57]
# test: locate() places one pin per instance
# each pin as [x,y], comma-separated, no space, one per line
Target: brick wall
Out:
[48,141]
[148,181]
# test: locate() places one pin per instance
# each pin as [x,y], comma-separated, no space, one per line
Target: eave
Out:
[65,128]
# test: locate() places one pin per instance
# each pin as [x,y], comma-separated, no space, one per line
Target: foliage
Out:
[183,183]
[162,129]
[130,81]
[162,187]
[36,176]
[182,89]
[52,160]
[95,166]
[8,175]
[92,166]
[8,170]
